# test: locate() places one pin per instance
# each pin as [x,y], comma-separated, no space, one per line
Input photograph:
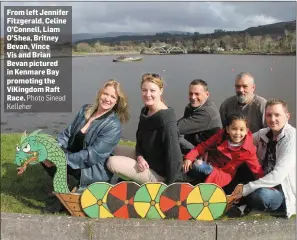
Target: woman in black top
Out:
[157,156]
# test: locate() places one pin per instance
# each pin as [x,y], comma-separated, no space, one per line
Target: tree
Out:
[147,44]
[214,46]
[83,47]
[266,43]
[247,39]
[225,41]
[251,45]
[195,36]
[142,45]
[218,31]
[286,42]
[257,40]
[291,38]
[97,46]
[240,45]
[272,46]
[201,43]
[188,44]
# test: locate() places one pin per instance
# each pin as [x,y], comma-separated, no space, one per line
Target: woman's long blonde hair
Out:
[120,108]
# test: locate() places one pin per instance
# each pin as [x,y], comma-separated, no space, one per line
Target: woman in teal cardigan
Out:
[91,138]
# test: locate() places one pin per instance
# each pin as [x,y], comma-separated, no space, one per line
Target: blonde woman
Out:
[157,156]
[90,139]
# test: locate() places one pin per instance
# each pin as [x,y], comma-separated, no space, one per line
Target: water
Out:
[275,76]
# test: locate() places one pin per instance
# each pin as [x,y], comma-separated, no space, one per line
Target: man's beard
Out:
[241,98]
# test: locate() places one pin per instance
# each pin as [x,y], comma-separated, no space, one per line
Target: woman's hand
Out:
[187,165]
[142,164]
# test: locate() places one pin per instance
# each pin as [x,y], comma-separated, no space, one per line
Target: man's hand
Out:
[237,193]
[187,165]
[142,164]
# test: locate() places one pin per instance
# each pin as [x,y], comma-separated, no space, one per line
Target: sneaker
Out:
[55,207]
[183,177]
[238,211]
[49,190]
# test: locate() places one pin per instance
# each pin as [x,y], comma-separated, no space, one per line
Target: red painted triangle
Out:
[122,212]
[166,203]
[183,213]
[184,191]
[131,201]
[119,191]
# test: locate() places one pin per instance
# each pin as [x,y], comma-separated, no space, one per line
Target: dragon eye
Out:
[27,148]
[18,148]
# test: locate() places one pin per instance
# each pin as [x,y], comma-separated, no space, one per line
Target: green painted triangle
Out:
[217,209]
[92,211]
[153,214]
[207,190]
[99,189]
[195,209]
[142,195]
[105,206]
[161,189]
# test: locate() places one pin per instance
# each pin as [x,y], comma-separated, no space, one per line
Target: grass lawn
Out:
[28,193]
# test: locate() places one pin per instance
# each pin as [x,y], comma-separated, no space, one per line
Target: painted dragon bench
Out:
[126,199]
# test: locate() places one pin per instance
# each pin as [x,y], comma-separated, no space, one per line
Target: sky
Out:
[202,17]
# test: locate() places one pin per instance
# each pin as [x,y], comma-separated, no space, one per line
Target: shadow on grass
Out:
[29,190]
[22,194]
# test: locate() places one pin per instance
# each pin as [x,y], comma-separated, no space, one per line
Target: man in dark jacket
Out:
[201,118]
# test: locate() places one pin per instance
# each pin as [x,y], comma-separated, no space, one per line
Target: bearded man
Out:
[245,102]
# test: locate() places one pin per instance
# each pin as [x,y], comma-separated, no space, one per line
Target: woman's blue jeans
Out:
[266,199]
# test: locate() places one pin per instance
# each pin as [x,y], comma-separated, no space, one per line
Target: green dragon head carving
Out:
[39,147]
[32,148]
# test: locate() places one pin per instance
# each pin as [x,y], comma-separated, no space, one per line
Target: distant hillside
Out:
[274,30]
[82,36]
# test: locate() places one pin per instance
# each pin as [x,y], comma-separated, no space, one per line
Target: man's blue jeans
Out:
[266,199]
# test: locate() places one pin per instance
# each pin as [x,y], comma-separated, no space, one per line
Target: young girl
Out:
[227,150]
